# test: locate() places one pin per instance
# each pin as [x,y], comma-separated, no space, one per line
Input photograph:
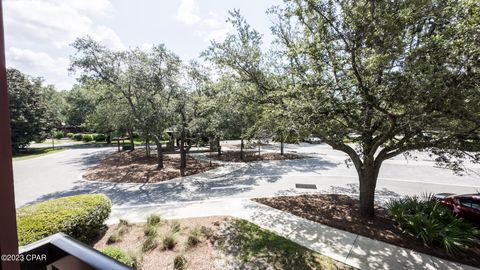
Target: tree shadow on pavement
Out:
[192,188]
[360,252]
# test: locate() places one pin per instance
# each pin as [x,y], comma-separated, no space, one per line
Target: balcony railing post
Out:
[8,224]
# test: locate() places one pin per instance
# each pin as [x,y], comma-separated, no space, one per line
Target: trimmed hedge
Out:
[77,137]
[99,137]
[79,216]
[70,135]
[87,138]
[119,255]
[59,134]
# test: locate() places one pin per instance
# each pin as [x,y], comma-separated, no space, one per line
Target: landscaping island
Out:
[135,167]
[250,156]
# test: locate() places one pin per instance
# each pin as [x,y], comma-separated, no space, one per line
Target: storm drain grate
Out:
[308,186]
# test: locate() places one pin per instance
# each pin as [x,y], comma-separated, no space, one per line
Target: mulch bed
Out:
[249,156]
[136,167]
[342,212]
[199,257]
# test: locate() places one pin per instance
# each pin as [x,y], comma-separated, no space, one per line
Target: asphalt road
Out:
[58,175]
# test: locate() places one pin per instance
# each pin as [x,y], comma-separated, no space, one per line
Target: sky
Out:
[38,33]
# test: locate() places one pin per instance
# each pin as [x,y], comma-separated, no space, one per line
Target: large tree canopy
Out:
[30,116]
[145,80]
[391,76]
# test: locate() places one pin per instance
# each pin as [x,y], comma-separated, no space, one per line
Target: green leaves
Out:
[431,222]
[31,113]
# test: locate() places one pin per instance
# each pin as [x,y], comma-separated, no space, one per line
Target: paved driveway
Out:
[58,174]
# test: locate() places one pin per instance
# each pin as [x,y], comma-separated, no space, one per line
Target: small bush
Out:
[149,243]
[79,216]
[153,220]
[119,255]
[150,230]
[179,262]
[123,222]
[194,237]
[87,138]
[433,223]
[120,230]
[175,227]
[77,137]
[169,241]
[59,134]
[70,135]
[114,238]
[193,240]
[99,137]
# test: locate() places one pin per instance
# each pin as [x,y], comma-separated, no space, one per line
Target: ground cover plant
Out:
[341,211]
[80,216]
[34,152]
[428,220]
[119,255]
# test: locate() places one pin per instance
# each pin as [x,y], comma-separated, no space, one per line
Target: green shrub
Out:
[169,241]
[175,227]
[115,237]
[194,237]
[59,134]
[70,135]
[179,262]
[120,230]
[119,255]
[87,137]
[79,216]
[433,223]
[153,220]
[77,137]
[150,230]
[99,137]
[193,240]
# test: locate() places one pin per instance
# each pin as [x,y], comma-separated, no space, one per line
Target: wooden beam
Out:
[8,223]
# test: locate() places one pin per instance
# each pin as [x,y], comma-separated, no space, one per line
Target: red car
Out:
[466,206]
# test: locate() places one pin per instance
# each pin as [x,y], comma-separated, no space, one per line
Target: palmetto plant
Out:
[428,220]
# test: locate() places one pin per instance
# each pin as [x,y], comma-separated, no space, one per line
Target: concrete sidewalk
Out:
[346,247]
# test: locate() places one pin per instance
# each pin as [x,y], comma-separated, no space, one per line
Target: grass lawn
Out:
[257,248]
[35,152]
[208,243]
[58,141]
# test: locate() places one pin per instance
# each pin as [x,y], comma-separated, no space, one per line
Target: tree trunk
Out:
[147,145]
[241,150]
[281,146]
[109,138]
[118,143]
[368,180]
[183,157]
[132,144]
[219,147]
[159,152]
